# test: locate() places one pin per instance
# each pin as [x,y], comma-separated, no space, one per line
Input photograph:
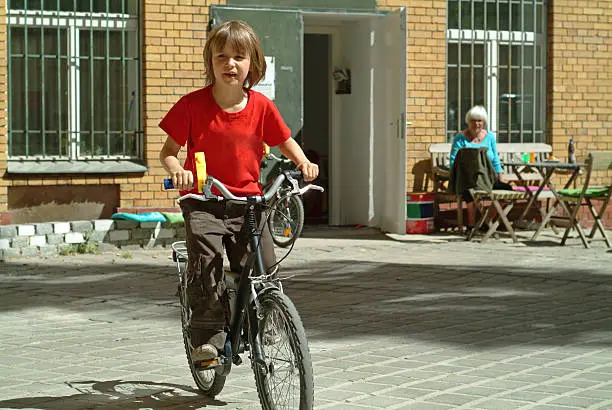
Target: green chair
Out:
[575,198]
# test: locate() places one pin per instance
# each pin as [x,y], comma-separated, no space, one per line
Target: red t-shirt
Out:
[232,142]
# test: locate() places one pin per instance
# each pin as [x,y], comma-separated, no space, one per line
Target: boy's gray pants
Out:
[211,227]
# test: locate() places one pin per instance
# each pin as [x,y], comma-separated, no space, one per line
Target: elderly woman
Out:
[477,136]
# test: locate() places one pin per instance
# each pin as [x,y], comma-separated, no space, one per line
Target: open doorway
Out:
[315,135]
[354,105]
[339,83]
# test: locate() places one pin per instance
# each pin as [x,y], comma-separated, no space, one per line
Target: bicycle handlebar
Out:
[208,195]
[277,159]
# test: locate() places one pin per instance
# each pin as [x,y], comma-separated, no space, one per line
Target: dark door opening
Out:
[316,129]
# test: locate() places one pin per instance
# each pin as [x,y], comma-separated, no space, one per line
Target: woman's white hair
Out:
[477,112]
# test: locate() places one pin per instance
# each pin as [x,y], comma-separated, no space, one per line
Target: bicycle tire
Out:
[282,332]
[209,381]
[286,220]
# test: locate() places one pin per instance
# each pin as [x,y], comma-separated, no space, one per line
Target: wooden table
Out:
[546,170]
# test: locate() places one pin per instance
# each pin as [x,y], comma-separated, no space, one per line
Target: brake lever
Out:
[207,190]
[294,183]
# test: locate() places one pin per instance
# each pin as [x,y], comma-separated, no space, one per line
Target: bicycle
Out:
[286,220]
[262,320]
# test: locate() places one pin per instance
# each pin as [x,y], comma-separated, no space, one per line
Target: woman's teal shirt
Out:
[460,141]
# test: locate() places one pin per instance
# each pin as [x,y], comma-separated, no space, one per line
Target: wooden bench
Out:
[440,171]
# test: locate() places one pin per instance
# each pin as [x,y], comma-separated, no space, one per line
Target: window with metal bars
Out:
[75,80]
[496,57]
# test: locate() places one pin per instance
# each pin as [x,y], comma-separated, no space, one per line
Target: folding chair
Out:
[575,198]
[439,175]
[495,212]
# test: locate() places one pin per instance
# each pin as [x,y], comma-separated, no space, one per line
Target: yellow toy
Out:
[200,165]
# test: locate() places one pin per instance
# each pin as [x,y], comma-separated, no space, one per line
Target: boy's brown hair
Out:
[242,38]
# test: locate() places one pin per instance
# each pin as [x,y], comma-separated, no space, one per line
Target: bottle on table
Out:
[571,151]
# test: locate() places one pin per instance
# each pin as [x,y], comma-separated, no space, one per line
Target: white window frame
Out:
[74,22]
[491,39]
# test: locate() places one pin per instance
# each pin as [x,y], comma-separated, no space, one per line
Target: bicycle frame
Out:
[247,291]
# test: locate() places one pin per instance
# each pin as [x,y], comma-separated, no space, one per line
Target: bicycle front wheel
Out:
[285,378]
[286,220]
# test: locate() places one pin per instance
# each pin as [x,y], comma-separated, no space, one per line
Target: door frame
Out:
[333,202]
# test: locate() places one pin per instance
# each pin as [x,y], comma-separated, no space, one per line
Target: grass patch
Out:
[125,255]
[80,248]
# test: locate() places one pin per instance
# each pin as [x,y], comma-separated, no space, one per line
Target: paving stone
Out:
[29,251]
[47,250]
[141,233]
[391,324]
[96,236]
[8,231]
[125,224]
[61,227]
[37,240]
[44,228]
[118,235]
[424,406]
[74,237]
[9,253]
[55,239]
[19,241]
[26,230]
[165,234]
[150,225]
[81,226]
[104,224]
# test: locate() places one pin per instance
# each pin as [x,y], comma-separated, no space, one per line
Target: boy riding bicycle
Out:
[227,121]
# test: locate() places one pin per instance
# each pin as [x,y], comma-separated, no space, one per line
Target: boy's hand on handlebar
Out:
[309,170]
[182,179]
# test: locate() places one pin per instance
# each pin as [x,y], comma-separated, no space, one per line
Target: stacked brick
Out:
[51,238]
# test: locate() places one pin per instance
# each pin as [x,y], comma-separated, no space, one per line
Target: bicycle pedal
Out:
[206,364]
[209,364]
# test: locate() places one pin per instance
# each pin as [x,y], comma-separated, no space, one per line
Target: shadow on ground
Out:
[342,232]
[466,305]
[476,306]
[118,394]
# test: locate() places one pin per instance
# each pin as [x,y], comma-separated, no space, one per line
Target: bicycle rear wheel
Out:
[286,220]
[286,380]
[209,381]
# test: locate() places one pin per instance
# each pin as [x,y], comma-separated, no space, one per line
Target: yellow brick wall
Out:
[425,88]
[425,83]
[173,38]
[580,77]
[579,84]
[174,33]
[3,109]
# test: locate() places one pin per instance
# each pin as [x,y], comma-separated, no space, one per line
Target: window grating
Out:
[496,57]
[75,76]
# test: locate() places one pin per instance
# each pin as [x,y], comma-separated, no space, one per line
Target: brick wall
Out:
[579,84]
[3,118]
[425,83]
[174,67]
[174,35]
[173,38]
[580,77]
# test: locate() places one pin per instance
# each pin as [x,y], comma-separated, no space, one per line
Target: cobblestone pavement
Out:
[401,322]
